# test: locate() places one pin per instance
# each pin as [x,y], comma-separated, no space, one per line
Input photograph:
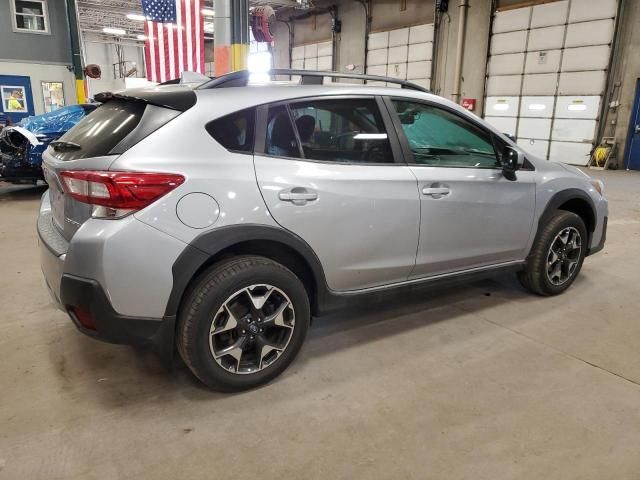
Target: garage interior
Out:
[475,380]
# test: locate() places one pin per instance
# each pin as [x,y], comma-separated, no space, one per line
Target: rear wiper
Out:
[62,145]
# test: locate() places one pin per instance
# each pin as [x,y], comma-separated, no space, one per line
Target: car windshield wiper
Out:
[62,145]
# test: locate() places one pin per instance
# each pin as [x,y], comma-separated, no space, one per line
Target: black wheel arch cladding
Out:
[210,245]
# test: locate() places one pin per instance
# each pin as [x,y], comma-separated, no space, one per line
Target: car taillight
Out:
[119,191]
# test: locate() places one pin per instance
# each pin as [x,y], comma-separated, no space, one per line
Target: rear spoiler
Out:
[175,97]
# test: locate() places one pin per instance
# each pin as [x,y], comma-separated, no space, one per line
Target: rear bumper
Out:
[86,295]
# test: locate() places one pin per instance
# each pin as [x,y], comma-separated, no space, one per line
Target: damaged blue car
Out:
[22,145]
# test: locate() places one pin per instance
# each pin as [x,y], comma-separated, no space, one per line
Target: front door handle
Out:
[436,192]
[298,196]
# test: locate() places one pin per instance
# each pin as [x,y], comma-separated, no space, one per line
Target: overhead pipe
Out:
[462,27]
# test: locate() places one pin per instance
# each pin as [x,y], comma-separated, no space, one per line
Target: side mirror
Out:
[512,161]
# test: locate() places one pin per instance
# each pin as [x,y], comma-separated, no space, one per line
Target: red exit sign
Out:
[469,103]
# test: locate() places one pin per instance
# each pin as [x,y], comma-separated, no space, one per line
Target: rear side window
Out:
[97,134]
[235,132]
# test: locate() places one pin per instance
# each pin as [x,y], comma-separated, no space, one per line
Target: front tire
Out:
[242,323]
[556,256]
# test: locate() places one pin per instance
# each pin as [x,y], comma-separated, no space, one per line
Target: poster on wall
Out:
[13,98]
[53,95]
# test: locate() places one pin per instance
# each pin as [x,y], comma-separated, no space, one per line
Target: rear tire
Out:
[242,323]
[556,256]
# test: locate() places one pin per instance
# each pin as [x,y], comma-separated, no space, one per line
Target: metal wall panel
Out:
[554,13]
[540,84]
[311,63]
[537,107]
[378,40]
[297,53]
[509,64]
[503,85]
[421,33]
[548,38]
[417,70]
[502,106]
[543,62]
[423,82]
[311,50]
[585,107]
[325,63]
[582,83]
[325,49]
[536,147]
[572,153]
[397,70]
[585,10]
[377,57]
[504,124]
[398,37]
[511,20]
[584,34]
[536,128]
[377,70]
[571,130]
[297,64]
[510,42]
[398,54]
[586,58]
[420,51]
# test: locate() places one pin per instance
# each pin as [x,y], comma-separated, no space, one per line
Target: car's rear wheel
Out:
[556,256]
[242,323]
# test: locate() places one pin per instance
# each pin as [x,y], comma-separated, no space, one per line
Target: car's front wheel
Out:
[242,323]
[556,256]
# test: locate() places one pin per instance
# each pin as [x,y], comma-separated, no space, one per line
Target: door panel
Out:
[340,189]
[470,215]
[362,224]
[485,219]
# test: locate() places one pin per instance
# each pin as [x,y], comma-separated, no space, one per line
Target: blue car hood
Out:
[57,122]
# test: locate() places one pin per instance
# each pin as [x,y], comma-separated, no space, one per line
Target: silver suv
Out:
[220,218]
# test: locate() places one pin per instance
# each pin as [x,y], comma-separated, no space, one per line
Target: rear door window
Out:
[342,130]
[97,134]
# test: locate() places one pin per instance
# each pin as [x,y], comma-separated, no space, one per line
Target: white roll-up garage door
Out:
[404,53]
[547,73]
[313,56]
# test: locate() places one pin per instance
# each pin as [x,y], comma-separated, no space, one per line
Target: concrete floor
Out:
[482,382]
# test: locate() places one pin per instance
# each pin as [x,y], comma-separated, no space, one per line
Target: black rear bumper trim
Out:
[111,326]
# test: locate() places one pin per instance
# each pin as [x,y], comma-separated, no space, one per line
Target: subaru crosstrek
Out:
[219,219]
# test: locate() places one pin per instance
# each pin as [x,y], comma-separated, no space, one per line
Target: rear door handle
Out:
[298,195]
[436,191]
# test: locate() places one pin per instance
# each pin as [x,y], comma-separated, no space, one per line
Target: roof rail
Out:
[307,77]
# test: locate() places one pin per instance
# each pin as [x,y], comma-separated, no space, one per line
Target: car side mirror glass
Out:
[512,161]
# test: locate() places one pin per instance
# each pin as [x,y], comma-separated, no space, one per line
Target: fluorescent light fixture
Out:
[577,108]
[141,37]
[501,106]
[208,12]
[208,27]
[537,106]
[114,31]
[138,17]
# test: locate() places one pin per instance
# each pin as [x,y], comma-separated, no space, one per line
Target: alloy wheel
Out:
[252,329]
[564,255]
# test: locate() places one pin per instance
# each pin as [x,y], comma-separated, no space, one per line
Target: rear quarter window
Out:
[236,131]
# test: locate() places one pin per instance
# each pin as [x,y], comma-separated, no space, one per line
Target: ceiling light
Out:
[141,37]
[208,12]
[114,31]
[136,16]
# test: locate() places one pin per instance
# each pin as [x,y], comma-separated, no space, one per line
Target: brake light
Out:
[125,191]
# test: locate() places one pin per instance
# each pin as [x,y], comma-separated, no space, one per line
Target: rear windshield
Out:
[98,133]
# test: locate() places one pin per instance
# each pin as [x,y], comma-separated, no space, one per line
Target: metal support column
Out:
[231,43]
[76,58]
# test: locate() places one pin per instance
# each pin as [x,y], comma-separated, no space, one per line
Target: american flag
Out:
[175,38]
